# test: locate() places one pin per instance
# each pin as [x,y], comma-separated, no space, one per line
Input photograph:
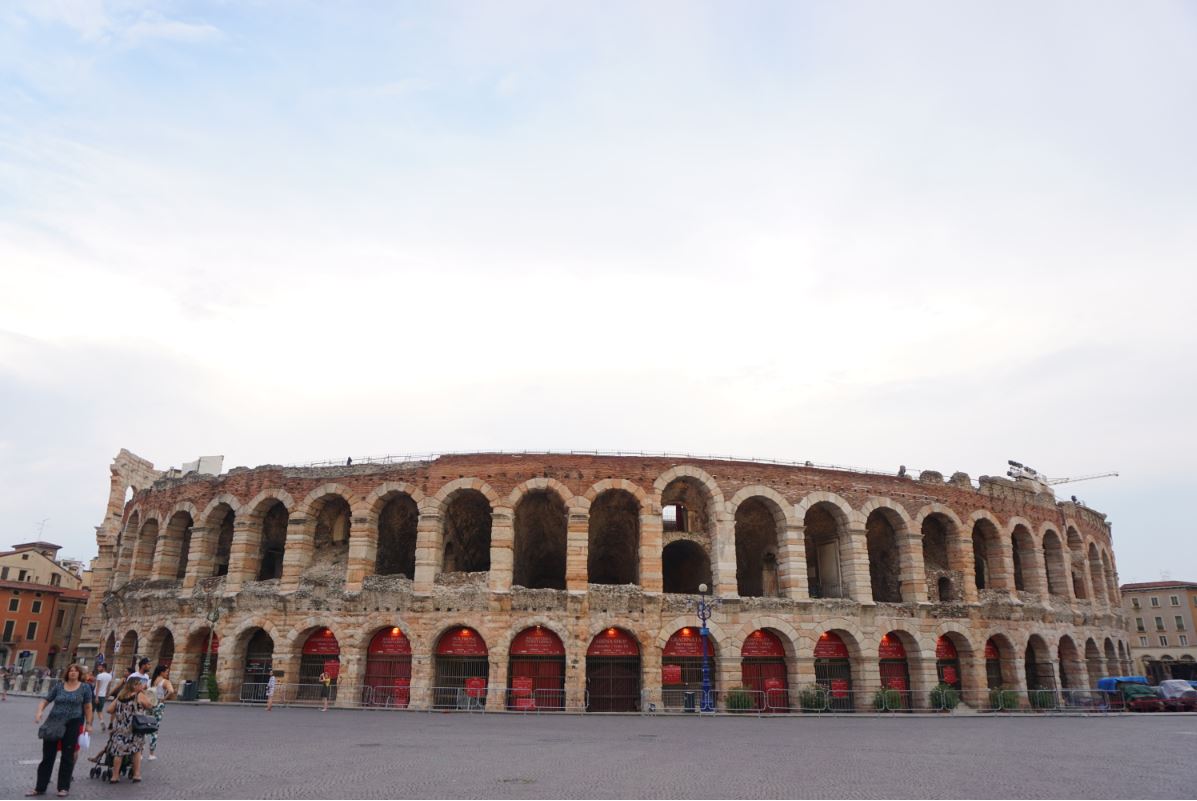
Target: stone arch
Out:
[828,544]
[989,559]
[174,548]
[598,488]
[1024,552]
[445,493]
[358,636]
[1037,660]
[325,516]
[146,547]
[1076,561]
[1094,662]
[697,474]
[887,540]
[685,564]
[1008,654]
[760,524]
[393,516]
[781,508]
[613,536]
[1111,583]
[690,504]
[1056,565]
[213,514]
[1072,668]
[540,523]
[1096,574]
[258,505]
[503,646]
[541,484]
[789,636]
[718,638]
[373,504]
[467,514]
[839,508]
[309,506]
[161,645]
[946,565]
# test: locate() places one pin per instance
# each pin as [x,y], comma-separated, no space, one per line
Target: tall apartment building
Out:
[42,602]
[1160,616]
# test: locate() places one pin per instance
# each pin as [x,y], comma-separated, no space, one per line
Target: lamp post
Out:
[213,616]
[704,614]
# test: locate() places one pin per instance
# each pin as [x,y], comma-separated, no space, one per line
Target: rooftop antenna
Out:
[41,527]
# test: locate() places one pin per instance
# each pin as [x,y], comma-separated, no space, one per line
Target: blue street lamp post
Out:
[704,614]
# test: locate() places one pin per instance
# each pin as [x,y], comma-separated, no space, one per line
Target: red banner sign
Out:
[390,642]
[537,641]
[613,642]
[950,676]
[891,648]
[762,644]
[839,688]
[332,667]
[671,674]
[830,646]
[525,702]
[461,642]
[322,643]
[475,687]
[684,642]
[521,685]
[991,651]
[774,684]
[944,649]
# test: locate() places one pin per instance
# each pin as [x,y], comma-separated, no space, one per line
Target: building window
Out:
[61,615]
[21,575]
[1180,623]
[1163,640]
[1174,600]
[24,556]
[1143,642]
[1155,601]
[1184,639]
[1139,624]
[4,575]
[14,604]
[31,631]
[1159,624]
[55,580]
[37,607]
[1135,603]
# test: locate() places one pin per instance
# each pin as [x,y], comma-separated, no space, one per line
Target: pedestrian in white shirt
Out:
[103,680]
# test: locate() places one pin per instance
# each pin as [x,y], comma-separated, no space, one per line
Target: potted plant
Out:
[813,698]
[887,700]
[944,697]
[739,699]
[1002,700]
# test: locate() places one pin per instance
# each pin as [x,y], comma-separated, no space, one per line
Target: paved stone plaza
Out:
[238,752]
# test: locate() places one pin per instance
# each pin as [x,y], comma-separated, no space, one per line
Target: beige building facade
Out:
[571,580]
[1160,616]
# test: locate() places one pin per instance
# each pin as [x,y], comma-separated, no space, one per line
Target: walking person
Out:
[271,684]
[162,691]
[3,683]
[70,715]
[325,689]
[103,680]
[123,743]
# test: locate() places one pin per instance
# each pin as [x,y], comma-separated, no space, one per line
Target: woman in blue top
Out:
[71,712]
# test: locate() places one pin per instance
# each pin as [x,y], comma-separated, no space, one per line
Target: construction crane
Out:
[1074,479]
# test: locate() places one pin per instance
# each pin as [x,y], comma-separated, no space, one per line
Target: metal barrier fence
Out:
[804,699]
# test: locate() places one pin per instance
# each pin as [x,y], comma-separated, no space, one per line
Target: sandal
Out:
[63,793]
[135,779]
[32,793]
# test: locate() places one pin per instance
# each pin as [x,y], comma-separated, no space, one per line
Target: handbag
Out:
[52,729]
[144,724]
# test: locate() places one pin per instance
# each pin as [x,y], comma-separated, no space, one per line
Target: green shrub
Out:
[887,700]
[739,699]
[213,688]
[1042,699]
[813,698]
[944,696]
[1001,699]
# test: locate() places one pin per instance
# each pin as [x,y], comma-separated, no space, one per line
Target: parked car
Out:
[1178,695]
[1131,693]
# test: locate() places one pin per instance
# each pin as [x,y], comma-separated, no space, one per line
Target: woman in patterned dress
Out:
[123,743]
[162,691]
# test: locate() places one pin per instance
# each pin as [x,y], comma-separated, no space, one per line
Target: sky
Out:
[932,234]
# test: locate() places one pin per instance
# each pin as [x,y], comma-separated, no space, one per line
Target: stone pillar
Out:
[363,551]
[502,549]
[974,681]
[912,571]
[866,680]
[730,672]
[577,542]
[428,552]
[422,677]
[652,535]
[201,560]
[723,557]
[166,554]
[496,692]
[854,565]
[650,676]
[1034,572]
[301,543]
[244,554]
[791,563]
[349,680]
[1066,555]
[962,560]
[143,554]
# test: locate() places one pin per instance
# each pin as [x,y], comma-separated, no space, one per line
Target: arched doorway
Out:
[388,670]
[895,672]
[684,566]
[681,670]
[462,670]
[1039,674]
[833,671]
[166,650]
[613,672]
[200,640]
[127,650]
[259,661]
[321,654]
[993,665]
[947,663]
[763,671]
[536,671]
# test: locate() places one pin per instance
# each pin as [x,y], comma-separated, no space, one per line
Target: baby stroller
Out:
[102,769]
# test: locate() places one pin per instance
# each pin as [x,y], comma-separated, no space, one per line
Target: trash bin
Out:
[189,692]
[689,701]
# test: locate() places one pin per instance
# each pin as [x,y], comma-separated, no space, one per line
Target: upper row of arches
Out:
[684,534]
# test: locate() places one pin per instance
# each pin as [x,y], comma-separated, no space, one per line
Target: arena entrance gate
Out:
[895,670]
[462,670]
[763,670]
[536,671]
[321,654]
[613,672]
[833,671]
[259,659]
[388,670]
[947,663]
[681,670]
[993,665]
[166,650]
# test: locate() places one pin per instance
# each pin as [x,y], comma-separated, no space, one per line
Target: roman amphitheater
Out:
[542,581]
